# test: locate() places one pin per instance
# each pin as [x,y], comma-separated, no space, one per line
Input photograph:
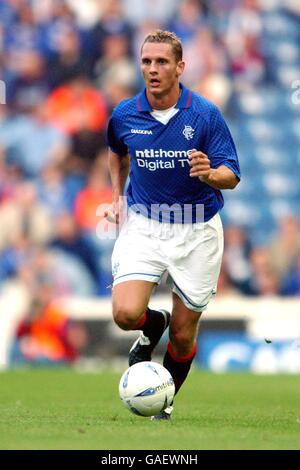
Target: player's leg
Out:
[194,274]
[182,345]
[129,301]
[130,311]
[181,349]
[137,267]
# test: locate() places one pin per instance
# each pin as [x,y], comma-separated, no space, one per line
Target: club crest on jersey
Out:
[188,132]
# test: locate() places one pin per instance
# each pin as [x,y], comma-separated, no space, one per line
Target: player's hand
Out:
[111,216]
[200,165]
[113,213]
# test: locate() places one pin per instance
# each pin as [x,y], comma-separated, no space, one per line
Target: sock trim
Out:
[141,322]
[186,358]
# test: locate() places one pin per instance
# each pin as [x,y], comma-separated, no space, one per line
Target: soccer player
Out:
[179,154]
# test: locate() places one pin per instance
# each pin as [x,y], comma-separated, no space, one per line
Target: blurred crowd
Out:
[262,270]
[65,65]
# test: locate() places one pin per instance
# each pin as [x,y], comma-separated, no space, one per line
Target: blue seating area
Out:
[266,129]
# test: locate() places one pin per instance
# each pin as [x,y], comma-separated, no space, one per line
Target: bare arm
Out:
[119,170]
[219,178]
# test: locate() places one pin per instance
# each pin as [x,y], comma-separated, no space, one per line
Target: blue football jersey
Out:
[159,168]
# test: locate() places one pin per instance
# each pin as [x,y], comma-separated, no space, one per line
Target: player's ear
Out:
[180,67]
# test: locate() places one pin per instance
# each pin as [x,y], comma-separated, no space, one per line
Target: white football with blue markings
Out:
[146,388]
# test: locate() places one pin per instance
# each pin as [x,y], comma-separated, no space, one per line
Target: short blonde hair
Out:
[160,36]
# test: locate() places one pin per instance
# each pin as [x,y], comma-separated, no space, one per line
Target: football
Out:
[146,388]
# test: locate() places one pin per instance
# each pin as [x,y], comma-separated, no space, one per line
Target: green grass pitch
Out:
[64,409]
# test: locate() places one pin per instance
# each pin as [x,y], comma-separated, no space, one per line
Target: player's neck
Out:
[166,101]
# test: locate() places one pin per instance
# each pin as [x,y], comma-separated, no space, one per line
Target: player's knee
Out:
[125,318]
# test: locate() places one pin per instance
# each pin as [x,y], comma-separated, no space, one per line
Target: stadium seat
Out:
[262,102]
[295,127]
[280,184]
[278,23]
[241,213]
[286,74]
[286,51]
[281,207]
[260,129]
[270,158]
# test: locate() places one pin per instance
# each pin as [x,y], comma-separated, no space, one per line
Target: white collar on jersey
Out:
[164,115]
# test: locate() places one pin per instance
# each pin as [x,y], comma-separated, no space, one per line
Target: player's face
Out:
[160,68]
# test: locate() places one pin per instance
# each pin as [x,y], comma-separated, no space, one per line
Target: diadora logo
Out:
[188,132]
[141,131]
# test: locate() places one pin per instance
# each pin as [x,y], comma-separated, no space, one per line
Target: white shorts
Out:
[191,254]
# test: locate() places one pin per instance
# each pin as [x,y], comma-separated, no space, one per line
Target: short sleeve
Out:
[114,142]
[220,147]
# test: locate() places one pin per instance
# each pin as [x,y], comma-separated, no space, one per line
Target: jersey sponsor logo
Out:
[160,153]
[153,165]
[143,158]
[188,132]
[141,131]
